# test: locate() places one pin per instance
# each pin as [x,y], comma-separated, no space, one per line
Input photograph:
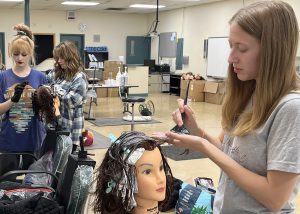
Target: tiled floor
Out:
[207,114]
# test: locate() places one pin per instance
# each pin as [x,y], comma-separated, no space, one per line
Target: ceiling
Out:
[119,6]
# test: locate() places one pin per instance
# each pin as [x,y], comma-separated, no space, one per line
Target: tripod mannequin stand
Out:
[93,96]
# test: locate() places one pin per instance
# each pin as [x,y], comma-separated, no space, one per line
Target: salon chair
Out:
[129,101]
[75,180]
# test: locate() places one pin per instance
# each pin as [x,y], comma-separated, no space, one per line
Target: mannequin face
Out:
[151,178]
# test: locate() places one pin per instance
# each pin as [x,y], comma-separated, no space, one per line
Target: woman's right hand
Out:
[189,119]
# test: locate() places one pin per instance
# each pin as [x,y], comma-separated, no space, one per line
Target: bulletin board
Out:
[167,44]
[218,50]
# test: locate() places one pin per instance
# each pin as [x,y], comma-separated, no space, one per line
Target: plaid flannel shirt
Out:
[71,103]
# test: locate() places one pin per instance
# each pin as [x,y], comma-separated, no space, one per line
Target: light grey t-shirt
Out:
[273,146]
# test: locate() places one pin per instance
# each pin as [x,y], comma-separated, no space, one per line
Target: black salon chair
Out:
[129,101]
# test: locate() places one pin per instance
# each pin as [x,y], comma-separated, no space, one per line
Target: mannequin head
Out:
[45,103]
[134,175]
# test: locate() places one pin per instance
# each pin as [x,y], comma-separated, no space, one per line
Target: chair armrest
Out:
[5,176]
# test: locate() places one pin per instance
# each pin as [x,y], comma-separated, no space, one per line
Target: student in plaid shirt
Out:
[71,85]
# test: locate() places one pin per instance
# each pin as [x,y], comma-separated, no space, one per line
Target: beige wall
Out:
[197,23]
[112,28]
[194,24]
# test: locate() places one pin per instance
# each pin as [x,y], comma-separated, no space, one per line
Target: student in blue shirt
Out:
[20,130]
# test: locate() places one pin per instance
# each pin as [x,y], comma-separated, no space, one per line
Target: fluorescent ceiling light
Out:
[11,0]
[80,3]
[147,6]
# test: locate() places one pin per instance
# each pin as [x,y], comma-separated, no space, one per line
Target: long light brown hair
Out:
[22,42]
[274,25]
[68,51]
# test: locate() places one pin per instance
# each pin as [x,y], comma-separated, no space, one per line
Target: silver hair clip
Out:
[135,155]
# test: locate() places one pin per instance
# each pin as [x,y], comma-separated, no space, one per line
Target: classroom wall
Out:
[194,24]
[197,23]
[112,28]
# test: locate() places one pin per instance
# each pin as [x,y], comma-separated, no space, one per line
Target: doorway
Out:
[44,44]
[2,46]
[78,39]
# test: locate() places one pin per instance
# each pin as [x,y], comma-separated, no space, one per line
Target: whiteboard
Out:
[167,44]
[218,50]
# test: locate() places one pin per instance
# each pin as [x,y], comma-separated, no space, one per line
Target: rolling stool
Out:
[129,100]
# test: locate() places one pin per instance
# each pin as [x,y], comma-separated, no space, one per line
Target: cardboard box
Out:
[111,69]
[112,66]
[101,92]
[113,92]
[196,90]
[214,92]
[109,74]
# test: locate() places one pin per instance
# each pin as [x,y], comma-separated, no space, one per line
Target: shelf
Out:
[175,84]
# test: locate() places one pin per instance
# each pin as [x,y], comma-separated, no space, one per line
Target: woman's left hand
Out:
[185,141]
[56,103]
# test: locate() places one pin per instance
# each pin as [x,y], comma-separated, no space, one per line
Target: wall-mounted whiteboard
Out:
[218,50]
[167,44]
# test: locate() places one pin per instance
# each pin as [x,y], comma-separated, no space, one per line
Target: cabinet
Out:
[159,83]
[138,75]
[175,84]
[165,85]
[154,84]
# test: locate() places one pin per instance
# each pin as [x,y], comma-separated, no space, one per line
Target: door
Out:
[138,48]
[179,54]
[78,39]
[2,46]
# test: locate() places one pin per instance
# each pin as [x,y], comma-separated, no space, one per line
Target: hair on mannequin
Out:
[43,103]
[116,176]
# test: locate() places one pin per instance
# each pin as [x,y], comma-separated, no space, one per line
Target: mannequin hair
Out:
[43,103]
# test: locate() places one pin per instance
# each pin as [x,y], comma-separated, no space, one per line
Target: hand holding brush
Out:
[182,129]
